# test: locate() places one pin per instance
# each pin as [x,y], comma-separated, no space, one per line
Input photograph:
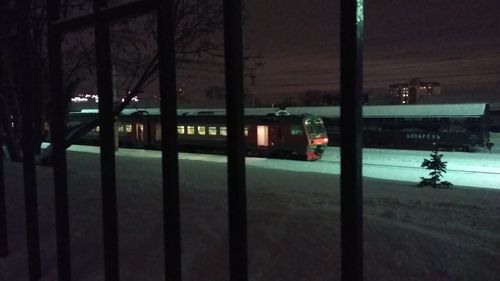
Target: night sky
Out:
[455,43]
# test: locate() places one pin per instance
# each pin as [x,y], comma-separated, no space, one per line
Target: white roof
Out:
[417,110]
[369,111]
[194,111]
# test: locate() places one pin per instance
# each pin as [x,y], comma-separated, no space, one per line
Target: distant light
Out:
[79,99]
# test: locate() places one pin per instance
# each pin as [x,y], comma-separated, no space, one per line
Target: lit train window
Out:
[212,131]
[246,131]
[190,130]
[295,130]
[201,130]
[128,128]
[180,130]
[223,131]
[120,129]
[97,129]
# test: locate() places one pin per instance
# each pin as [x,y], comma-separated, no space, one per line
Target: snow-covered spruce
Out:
[437,167]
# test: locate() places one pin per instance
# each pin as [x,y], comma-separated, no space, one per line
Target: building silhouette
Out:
[413,90]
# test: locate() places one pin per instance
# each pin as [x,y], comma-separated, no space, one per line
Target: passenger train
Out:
[304,132]
[267,134]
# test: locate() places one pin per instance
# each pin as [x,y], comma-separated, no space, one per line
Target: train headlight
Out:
[319,141]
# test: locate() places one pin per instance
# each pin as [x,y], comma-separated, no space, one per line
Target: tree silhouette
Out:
[437,167]
[198,40]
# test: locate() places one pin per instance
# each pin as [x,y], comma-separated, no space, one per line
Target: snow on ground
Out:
[477,169]
[293,218]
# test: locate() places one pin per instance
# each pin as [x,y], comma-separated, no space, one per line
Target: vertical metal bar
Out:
[108,170]
[30,189]
[4,245]
[238,257]
[351,47]
[24,69]
[170,161]
[58,128]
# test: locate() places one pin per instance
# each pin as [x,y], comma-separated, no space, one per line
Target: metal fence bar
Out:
[238,257]
[4,245]
[115,12]
[24,69]
[170,161]
[30,189]
[351,46]
[58,128]
[106,134]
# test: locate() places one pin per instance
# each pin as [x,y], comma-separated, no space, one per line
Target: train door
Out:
[262,135]
[153,139]
[139,131]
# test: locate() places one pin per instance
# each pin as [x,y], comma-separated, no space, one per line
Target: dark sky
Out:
[455,43]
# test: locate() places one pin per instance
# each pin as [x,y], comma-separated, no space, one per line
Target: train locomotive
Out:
[277,135]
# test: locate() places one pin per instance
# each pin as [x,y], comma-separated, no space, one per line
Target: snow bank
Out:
[293,224]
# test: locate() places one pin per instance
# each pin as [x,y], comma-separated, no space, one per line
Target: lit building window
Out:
[246,131]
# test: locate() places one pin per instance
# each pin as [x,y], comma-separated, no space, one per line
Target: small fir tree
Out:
[437,167]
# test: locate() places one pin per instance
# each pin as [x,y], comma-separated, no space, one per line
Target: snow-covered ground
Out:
[474,169]
[410,233]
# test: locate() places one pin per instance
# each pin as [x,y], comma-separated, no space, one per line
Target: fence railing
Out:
[351,88]
[4,245]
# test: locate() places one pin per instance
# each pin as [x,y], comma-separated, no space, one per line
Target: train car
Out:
[131,129]
[450,126]
[277,134]
[495,117]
